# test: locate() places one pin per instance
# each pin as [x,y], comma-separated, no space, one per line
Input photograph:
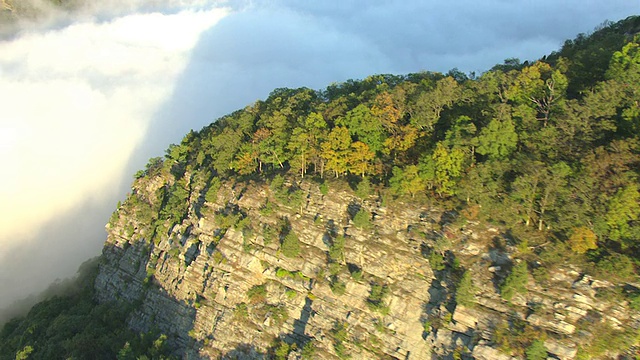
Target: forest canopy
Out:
[547,149]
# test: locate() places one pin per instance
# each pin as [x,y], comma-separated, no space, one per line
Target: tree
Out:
[407,181]
[622,210]
[541,87]
[360,159]
[624,70]
[274,142]
[536,351]
[364,127]
[516,282]
[363,189]
[465,290]
[583,239]
[335,150]
[290,245]
[362,219]
[498,139]
[448,168]
[245,162]
[430,104]
[462,134]
[305,141]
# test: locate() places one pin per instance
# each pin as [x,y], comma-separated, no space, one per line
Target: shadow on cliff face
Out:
[123,278]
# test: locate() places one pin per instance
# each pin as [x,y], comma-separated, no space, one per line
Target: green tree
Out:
[536,351]
[624,71]
[622,211]
[363,190]
[554,187]
[362,219]
[305,141]
[336,150]
[364,126]
[462,134]
[498,139]
[583,239]
[360,160]
[429,105]
[515,282]
[465,290]
[448,168]
[290,245]
[407,181]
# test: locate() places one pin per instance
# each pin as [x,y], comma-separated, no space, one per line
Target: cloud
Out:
[76,102]
[87,99]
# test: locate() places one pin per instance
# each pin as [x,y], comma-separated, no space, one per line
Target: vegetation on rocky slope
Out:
[548,150]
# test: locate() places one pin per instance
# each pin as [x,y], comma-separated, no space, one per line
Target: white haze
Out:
[85,100]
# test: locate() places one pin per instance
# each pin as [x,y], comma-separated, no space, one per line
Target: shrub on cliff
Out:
[290,245]
[516,281]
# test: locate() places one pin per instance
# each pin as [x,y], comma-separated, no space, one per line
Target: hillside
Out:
[426,215]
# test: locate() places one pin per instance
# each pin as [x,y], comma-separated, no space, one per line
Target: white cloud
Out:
[76,103]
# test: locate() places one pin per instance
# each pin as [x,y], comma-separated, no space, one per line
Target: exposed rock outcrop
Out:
[231,292]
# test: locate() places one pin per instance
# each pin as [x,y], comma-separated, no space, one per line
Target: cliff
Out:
[224,288]
[409,217]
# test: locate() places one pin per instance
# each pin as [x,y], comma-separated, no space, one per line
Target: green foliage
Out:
[309,350]
[291,294]
[324,188]
[447,167]
[269,234]
[363,190]
[281,273]
[279,314]
[336,250]
[337,287]
[375,301]
[608,339]
[281,351]
[616,266]
[536,351]
[24,353]
[407,181]
[362,219]
[279,190]
[76,326]
[290,245]
[212,192]
[436,260]
[267,209]
[340,335]
[465,290]
[498,139]
[623,210]
[257,294]
[227,220]
[241,311]
[515,282]
[296,275]
[517,336]
[356,273]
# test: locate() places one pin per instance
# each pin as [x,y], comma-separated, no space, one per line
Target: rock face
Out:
[228,291]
